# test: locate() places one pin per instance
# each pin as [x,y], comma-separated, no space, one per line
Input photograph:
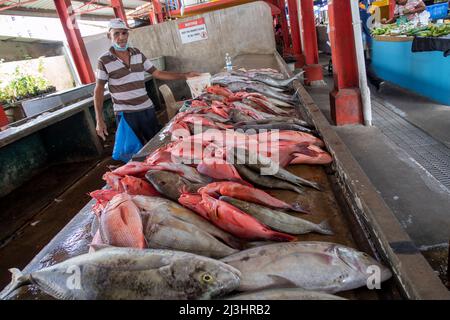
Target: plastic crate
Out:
[438,11]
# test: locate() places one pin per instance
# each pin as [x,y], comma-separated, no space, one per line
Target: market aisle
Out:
[408,166]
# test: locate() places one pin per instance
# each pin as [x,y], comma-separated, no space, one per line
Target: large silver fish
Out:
[263,89]
[124,273]
[164,231]
[266,181]
[153,204]
[276,120]
[171,184]
[310,265]
[279,220]
[284,294]
[242,157]
[275,82]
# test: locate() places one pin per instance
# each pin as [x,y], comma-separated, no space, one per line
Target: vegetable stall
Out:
[415,58]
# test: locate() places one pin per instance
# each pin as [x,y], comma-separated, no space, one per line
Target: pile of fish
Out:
[194,220]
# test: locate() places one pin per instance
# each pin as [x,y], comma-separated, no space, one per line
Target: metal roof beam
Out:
[28,12]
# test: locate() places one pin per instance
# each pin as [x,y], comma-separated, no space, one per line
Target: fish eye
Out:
[207,278]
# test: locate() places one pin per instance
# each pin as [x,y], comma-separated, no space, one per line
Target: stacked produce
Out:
[185,222]
[410,29]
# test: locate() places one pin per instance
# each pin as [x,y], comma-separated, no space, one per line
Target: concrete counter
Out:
[357,214]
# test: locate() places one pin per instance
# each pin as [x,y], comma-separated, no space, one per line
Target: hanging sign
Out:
[194,30]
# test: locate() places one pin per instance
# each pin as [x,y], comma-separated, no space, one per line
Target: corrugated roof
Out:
[48,5]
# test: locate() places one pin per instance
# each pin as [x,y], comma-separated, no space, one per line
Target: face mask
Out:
[119,48]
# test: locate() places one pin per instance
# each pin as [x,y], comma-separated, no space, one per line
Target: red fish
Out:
[121,224]
[220,170]
[232,220]
[311,155]
[192,201]
[132,168]
[242,192]
[221,91]
[294,136]
[113,180]
[161,154]
[138,187]
[198,103]
[102,198]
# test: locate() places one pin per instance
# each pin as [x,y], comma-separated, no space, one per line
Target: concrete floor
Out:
[419,200]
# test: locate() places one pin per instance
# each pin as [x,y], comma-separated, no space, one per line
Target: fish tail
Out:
[18,280]
[325,228]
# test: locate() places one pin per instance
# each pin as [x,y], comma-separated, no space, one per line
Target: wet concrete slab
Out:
[44,225]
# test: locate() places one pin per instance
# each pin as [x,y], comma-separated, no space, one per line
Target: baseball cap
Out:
[117,24]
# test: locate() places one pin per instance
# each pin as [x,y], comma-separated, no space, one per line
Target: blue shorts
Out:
[144,123]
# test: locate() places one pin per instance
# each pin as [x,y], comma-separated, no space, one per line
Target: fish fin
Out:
[280,282]
[18,280]
[297,207]
[325,228]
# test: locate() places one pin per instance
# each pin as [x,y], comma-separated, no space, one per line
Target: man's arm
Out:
[98,106]
[167,75]
[392,20]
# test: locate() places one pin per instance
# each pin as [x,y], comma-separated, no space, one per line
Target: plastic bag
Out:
[127,143]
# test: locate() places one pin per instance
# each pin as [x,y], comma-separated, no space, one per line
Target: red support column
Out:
[345,99]
[313,70]
[119,12]
[76,44]
[391,8]
[158,11]
[284,26]
[295,34]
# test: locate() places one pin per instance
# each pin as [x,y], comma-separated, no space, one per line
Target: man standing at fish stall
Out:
[123,67]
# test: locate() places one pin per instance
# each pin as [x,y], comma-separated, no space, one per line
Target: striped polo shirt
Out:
[126,84]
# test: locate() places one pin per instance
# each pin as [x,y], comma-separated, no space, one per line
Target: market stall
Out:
[415,58]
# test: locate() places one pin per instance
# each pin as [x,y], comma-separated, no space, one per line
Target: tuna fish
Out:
[266,180]
[276,126]
[280,173]
[153,204]
[164,231]
[183,170]
[171,185]
[279,220]
[310,265]
[126,273]
[284,294]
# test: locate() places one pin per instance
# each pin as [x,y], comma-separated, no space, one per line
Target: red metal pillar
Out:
[4,121]
[284,26]
[158,11]
[76,44]
[313,70]
[295,34]
[391,8]
[345,99]
[119,12]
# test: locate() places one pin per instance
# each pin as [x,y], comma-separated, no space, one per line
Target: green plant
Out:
[24,86]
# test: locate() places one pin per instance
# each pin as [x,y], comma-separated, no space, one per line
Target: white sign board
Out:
[194,30]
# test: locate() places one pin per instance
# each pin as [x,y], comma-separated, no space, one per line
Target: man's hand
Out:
[191,74]
[102,132]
